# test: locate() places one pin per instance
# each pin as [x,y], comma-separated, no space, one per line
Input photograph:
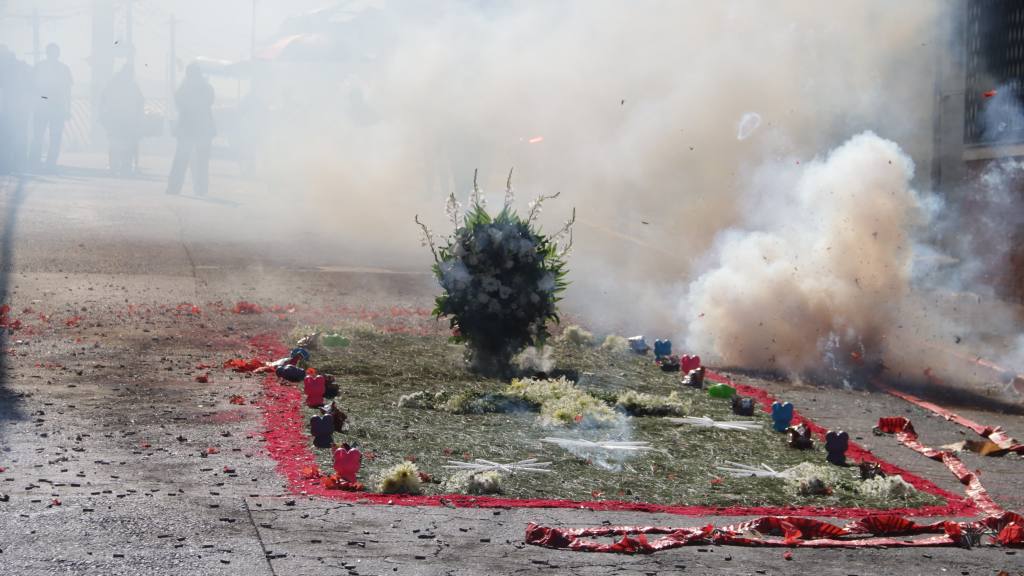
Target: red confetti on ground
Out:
[212,450]
[241,365]
[237,399]
[311,472]
[2,469]
[187,308]
[229,470]
[989,94]
[146,445]
[333,482]
[73,322]
[243,307]
[787,555]
[5,319]
[424,477]
[203,378]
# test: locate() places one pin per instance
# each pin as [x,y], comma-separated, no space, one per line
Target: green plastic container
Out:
[721,391]
[334,340]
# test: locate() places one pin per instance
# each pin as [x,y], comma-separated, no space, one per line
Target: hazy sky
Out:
[218,29]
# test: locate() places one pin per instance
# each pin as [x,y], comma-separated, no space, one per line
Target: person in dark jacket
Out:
[195,132]
[52,107]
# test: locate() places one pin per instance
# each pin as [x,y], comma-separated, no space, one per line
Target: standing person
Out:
[52,107]
[122,110]
[6,121]
[15,110]
[195,132]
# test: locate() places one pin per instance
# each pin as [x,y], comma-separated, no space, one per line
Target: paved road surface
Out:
[105,434]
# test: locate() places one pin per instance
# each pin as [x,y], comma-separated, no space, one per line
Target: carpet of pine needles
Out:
[376,369]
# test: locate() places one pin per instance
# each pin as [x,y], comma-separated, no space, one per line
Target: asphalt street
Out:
[116,460]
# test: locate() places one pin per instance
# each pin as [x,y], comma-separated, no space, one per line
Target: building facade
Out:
[980,126]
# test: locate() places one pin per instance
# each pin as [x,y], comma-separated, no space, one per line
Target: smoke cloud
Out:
[649,117]
[743,171]
[824,252]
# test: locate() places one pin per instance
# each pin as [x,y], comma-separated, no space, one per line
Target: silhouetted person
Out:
[52,107]
[195,132]
[15,111]
[122,112]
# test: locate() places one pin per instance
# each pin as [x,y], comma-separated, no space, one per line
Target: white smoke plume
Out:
[825,251]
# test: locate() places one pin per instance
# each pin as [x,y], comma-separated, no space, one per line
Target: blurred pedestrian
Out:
[122,112]
[15,110]
[195,132]
[52,107]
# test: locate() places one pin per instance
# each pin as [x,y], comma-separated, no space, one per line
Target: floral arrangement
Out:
[476,483]
[501,277]
[562,403]
[615,343]
[403,478]
[887,487]
[642,404]
[577,336]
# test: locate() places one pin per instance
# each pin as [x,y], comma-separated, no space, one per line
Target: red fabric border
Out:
[907,436]
[288,443]
[778,532]
[994,433]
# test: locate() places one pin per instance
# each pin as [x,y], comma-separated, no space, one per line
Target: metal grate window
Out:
[994,61]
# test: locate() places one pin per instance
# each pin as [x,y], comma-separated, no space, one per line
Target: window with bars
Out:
[994,72]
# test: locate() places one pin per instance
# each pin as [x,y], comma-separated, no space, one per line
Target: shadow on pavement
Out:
[10,404]
[210,200]
[82,173]
[949,396]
